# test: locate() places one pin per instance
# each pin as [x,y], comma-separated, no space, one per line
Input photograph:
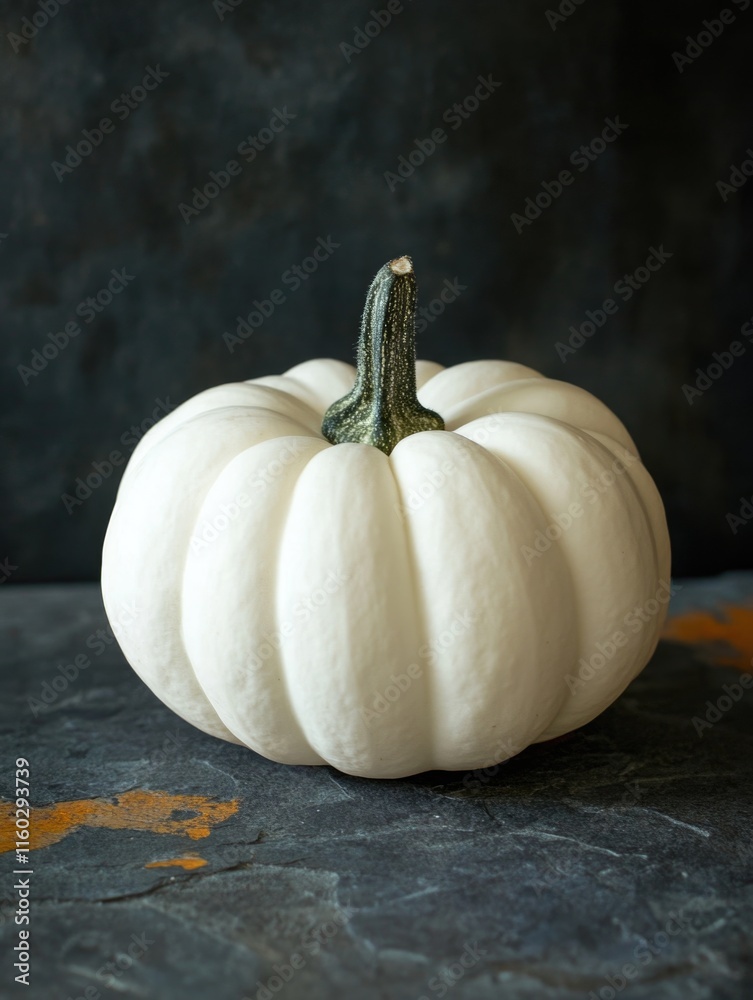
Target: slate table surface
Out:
[616,861]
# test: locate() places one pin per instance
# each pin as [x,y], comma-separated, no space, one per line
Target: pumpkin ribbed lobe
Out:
[383,408]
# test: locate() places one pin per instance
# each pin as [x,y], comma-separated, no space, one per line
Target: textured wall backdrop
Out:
[315,114]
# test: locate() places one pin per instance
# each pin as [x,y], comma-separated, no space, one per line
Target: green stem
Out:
[382,407]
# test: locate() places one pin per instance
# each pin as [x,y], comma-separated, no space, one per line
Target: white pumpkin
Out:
[476,590]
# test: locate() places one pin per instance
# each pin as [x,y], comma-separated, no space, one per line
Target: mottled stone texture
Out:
[162,337]
[548,875]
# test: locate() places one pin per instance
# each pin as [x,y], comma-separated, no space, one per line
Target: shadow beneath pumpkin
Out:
[522,767]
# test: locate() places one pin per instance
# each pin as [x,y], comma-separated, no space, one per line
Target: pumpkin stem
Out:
[382,407]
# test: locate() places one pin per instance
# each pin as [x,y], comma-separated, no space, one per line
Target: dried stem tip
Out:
[401,265]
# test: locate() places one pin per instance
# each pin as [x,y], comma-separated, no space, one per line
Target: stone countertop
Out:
[167,864]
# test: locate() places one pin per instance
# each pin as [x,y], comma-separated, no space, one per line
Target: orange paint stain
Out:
[728,633]
[159,812]
[188,864]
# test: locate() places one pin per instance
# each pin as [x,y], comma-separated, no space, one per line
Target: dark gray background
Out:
[323,175]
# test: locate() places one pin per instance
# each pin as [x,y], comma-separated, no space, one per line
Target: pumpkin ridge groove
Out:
[421,629]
